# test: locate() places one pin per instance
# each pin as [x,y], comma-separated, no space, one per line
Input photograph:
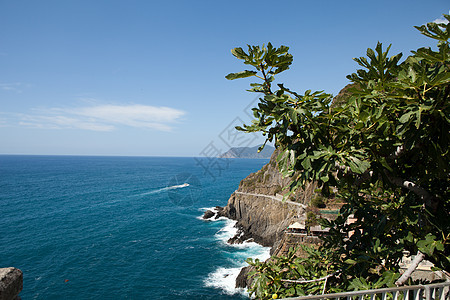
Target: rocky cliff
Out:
[260,218]
[269,181]
[258,208]
[261,214]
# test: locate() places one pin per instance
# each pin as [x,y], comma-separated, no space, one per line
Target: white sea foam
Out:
[224,277]
[227,232]
[213,218]
[214,209]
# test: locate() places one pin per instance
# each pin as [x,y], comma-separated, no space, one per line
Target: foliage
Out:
[318,201]
[384,150]
[311,219]
[271,273]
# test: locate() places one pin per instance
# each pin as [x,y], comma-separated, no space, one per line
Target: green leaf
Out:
[418,118]
[405,117]
[357,165]
[364,115]
[306,163]
[439,246]
[325,178]
[242,74]
[239,53]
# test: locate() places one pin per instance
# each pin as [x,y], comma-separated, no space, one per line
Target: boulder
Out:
[11,283]
[208,214]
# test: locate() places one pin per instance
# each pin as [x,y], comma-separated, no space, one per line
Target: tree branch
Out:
[265,79]
[419,191]
[414,264]
[312,280]
[399,151]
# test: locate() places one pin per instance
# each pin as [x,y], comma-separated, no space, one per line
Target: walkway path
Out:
[276,198]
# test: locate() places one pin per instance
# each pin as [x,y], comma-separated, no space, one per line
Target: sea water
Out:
[121,227]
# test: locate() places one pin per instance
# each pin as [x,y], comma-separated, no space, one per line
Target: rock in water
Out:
[208,214]
[11,283]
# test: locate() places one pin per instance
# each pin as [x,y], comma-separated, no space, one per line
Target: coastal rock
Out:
[242,280]
[215,213]
[208,214]
[240,237]
[11,283]
[220,212]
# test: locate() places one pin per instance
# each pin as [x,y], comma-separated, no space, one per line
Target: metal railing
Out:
[437,291]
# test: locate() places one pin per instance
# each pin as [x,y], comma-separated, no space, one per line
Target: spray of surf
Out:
[224,277]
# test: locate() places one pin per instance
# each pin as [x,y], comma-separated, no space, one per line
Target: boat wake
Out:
[168,188]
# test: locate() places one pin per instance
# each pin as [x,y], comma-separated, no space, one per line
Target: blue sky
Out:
[139,77]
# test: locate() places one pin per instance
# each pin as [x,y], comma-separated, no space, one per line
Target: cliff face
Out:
[258,209]
[260,218]
[269,181]
[261,214]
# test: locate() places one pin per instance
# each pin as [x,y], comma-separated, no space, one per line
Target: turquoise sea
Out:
[120,227]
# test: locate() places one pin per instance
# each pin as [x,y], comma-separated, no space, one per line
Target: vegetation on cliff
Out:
[383,149]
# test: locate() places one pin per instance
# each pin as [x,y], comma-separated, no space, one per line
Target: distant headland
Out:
[248,152]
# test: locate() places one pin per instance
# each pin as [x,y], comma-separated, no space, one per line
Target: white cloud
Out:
[11,87]
[132,115]
[3,122]
[103,117]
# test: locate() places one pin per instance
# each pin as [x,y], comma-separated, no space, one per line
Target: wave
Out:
[213,218]
[227,232]
[224,277]
[225,280]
